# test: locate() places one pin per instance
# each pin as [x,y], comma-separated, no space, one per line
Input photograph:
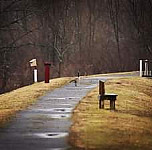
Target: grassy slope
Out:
[117,73]
[128,128]
[21,98]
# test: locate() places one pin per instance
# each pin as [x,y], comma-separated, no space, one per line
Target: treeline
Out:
[90,36]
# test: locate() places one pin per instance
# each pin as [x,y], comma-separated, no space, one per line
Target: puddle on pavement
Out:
[82,88]
[51,135]
[63,98]
[75,88]
[59,116]
[60,98]
[73,97]
[57,149]
[64,110]
[68,105]
[90,87]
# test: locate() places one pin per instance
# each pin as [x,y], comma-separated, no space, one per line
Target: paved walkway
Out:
[45,125]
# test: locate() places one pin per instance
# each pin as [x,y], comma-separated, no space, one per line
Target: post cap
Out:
[47,63]
[33,63]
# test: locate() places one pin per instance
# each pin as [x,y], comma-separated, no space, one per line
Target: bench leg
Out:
[101,104]
[112,105]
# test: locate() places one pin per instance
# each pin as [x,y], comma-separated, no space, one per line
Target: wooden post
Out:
[112,104]
[101,94]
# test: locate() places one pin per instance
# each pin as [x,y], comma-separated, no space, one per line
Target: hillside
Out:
[128,128]
[20,99]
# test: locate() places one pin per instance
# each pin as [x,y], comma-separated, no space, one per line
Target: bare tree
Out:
[114,16]
[140,10]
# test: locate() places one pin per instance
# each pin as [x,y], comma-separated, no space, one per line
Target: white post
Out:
[141,72]
[146,67]
[35,75]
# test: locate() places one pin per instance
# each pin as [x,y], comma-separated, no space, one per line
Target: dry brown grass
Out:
[21,98]
[128,128]
[117,73]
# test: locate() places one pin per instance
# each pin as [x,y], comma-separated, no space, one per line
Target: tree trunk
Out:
[60,69]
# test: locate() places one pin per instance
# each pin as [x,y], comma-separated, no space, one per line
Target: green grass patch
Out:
[127,128]
[21,98]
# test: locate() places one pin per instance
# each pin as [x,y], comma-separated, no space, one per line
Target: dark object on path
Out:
[102,96]
[75,81]
[78,74]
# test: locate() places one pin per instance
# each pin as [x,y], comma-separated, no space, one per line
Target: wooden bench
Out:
[106,96]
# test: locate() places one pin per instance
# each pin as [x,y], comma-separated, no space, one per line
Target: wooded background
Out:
[90,36]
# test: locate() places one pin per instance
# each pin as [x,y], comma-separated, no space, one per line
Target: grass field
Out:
[21,98]
[127,128]
[117,73]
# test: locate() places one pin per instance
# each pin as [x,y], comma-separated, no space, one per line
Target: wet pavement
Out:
[45,125]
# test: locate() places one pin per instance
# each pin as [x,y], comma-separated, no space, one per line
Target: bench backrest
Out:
[101,88]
